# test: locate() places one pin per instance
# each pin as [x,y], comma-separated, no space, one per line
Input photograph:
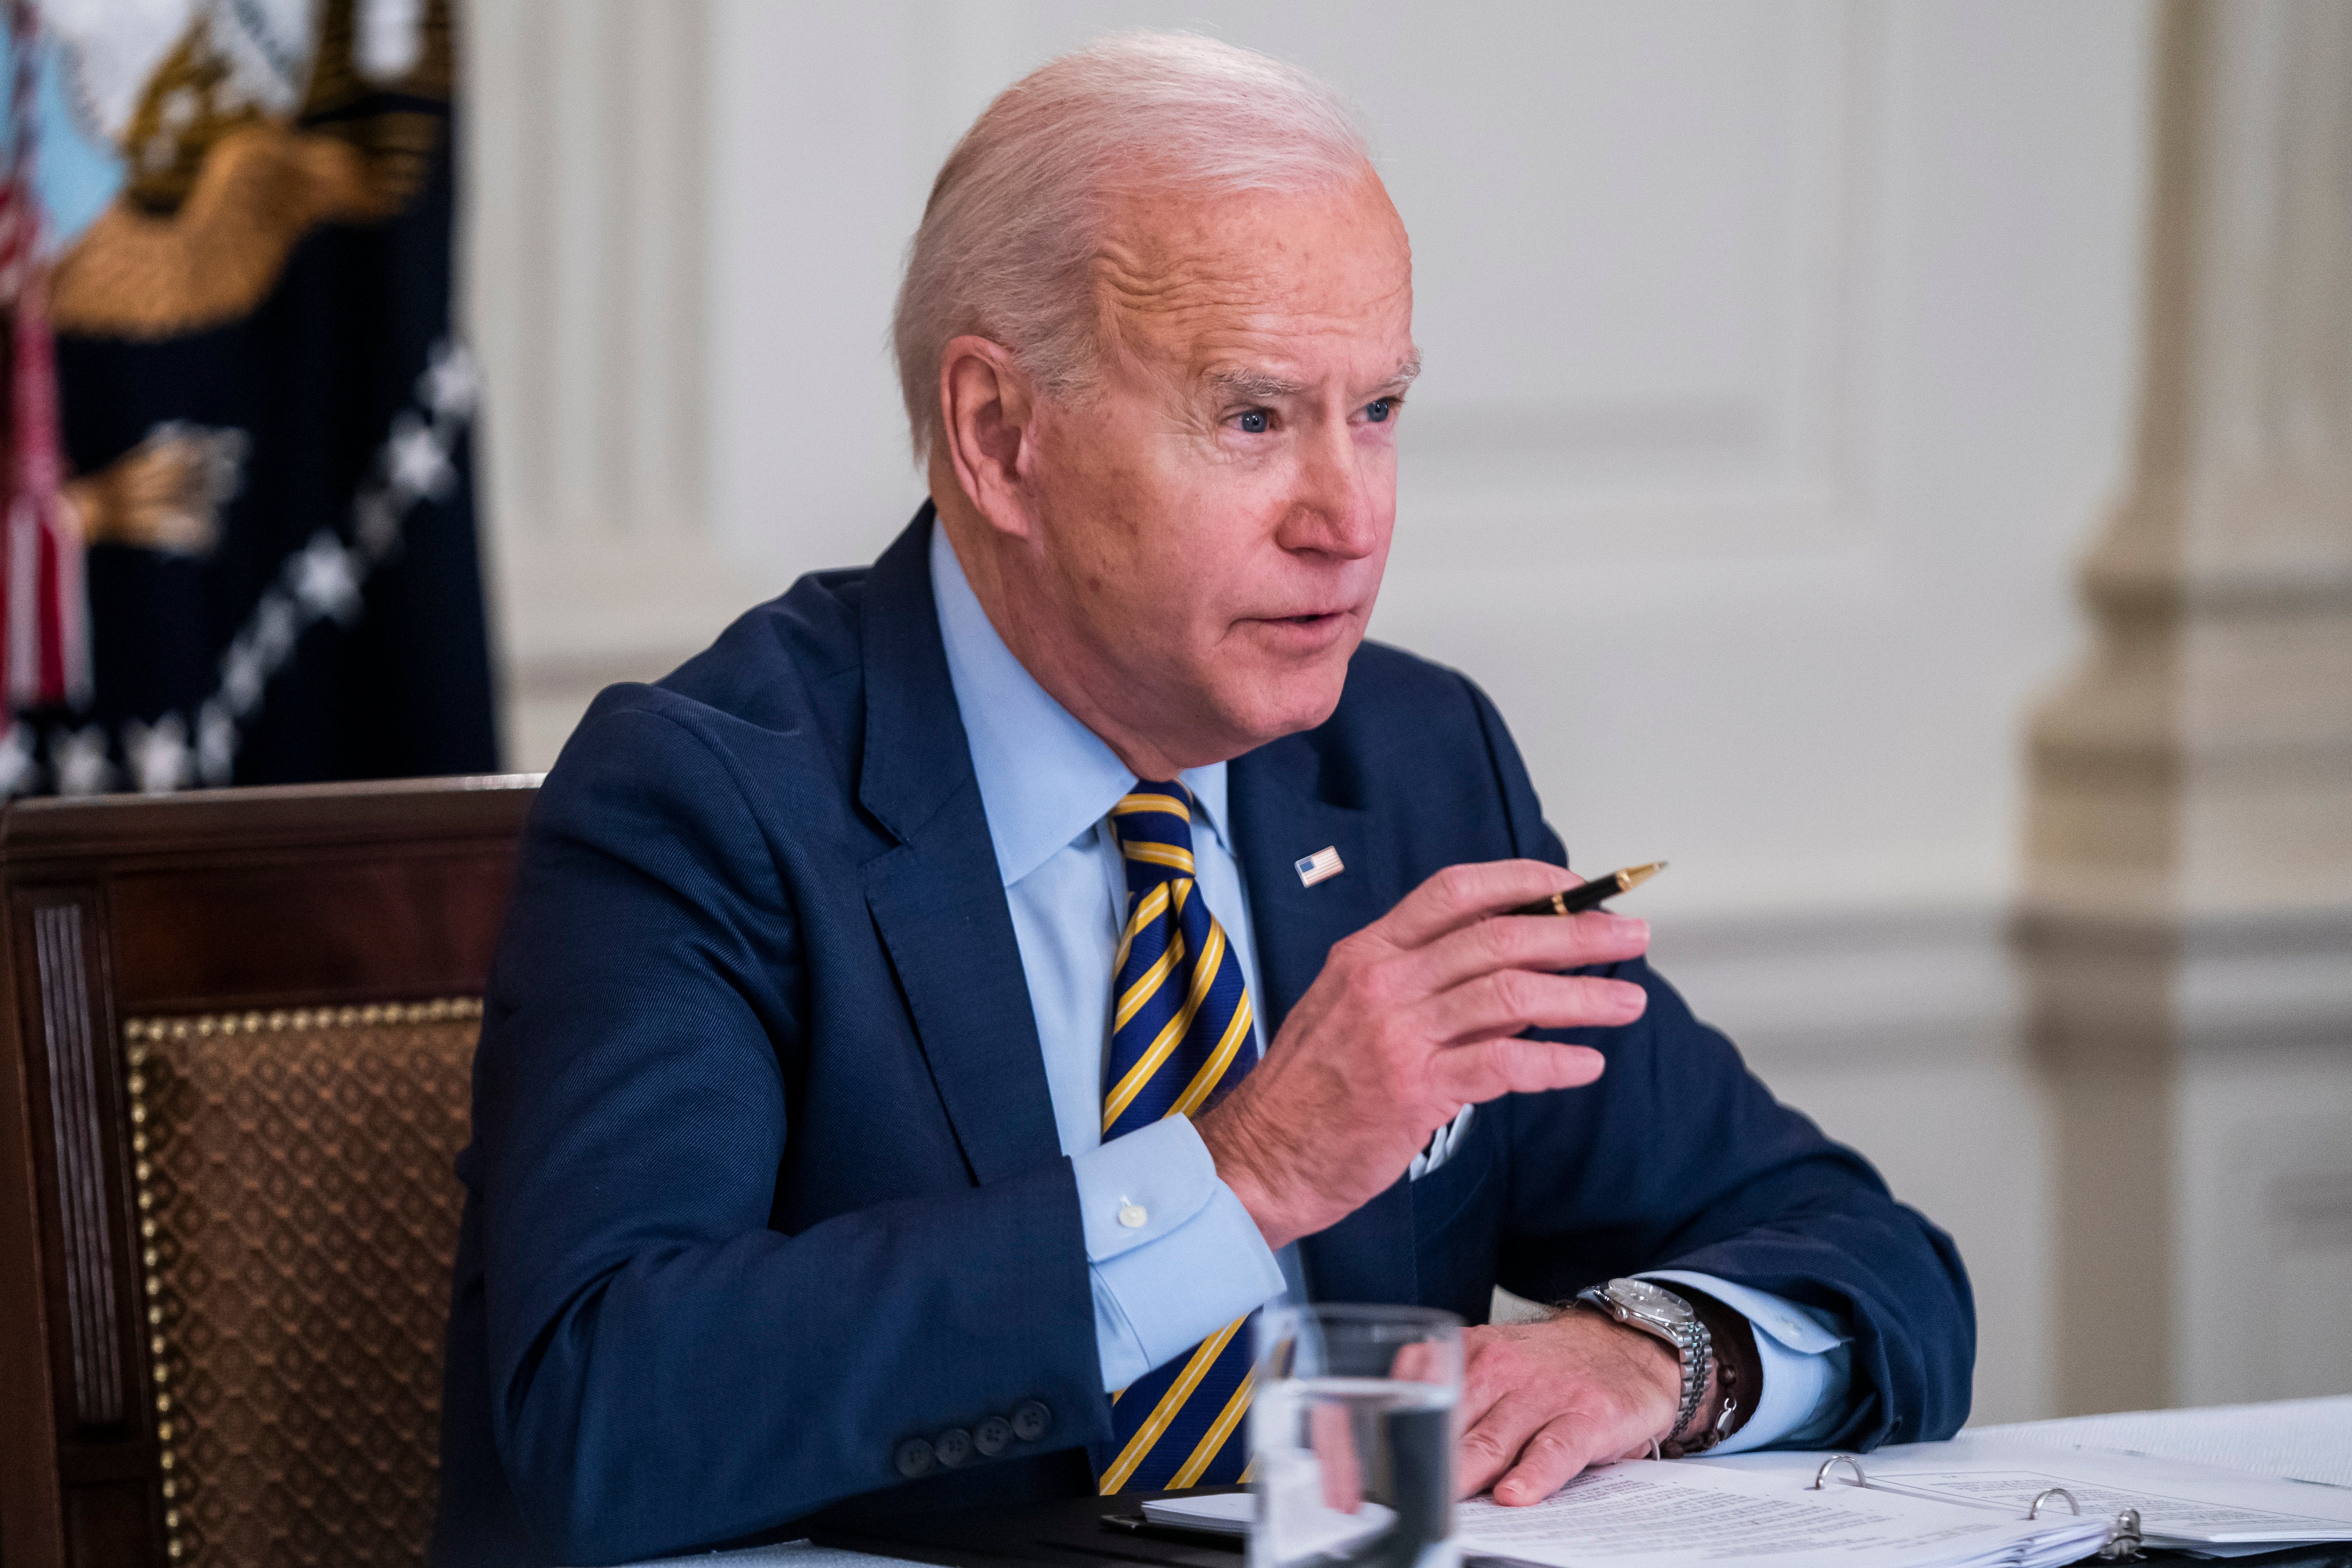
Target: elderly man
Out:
[934,1019]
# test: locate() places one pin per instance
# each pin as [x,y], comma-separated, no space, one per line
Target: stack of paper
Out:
[2215,1513]
[1927,1505]
[1658,1515]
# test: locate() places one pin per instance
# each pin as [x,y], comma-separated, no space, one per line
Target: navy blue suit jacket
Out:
[764,1177]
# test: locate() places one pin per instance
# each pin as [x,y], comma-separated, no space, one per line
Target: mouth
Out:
[1306,633]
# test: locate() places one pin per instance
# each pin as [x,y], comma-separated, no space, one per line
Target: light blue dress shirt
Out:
[1173,1254]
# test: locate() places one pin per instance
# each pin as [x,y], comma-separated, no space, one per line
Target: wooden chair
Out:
[239,1031]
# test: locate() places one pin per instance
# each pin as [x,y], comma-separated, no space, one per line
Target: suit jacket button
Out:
[915,1458]
[992,1436]
[1030,1420]
[953,1446]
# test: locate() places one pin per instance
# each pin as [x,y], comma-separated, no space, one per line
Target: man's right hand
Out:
[1413,1017]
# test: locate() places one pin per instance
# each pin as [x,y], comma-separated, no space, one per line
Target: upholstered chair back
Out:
[239,1038]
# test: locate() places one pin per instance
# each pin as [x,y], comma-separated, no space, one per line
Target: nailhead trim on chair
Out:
[137,1032]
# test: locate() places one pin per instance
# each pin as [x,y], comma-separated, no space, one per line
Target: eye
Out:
[1378,409]
[1254,423]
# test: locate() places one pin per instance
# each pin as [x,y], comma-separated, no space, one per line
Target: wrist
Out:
[1659,1360]
[1706,1378]
[1246,1163]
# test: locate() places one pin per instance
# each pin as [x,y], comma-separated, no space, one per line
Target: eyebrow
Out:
[1246,384]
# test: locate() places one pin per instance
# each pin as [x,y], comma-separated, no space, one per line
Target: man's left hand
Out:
[1540,1402]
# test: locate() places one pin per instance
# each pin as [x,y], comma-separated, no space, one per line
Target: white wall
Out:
[1780,359]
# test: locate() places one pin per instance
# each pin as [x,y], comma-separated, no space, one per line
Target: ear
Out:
[988,408]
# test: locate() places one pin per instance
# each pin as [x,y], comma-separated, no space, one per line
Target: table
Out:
[2305,1439]
[2302,1439]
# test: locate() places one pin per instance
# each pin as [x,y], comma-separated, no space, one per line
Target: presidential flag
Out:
[264,416]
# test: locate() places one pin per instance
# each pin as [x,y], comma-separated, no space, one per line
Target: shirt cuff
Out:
[1173,1254]
[1805,1356]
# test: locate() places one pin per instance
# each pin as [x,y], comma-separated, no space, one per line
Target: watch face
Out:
[1658,1306]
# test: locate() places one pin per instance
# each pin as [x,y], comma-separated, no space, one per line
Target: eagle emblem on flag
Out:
[250,557]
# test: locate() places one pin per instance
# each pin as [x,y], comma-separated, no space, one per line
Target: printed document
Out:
[2187,1506]
[1663,1515]
[1666,1514]
[1920,1505]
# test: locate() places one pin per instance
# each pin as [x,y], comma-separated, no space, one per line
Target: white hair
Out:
[1015,217]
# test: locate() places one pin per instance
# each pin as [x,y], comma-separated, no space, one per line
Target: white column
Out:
[584,261]
[2188,921]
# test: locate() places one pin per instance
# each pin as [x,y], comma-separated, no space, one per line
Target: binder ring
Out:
[2033,1509]
[2124,1542]
[1850,1463]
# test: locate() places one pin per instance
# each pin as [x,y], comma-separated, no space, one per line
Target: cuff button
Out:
[1030,1420]
[953,1446]
[915,1457]
[992,1436]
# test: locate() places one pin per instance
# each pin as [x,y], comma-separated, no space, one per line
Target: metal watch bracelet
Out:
[1698,1347]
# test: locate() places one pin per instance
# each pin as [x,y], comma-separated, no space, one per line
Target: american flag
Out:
[1320,867]
[44,644]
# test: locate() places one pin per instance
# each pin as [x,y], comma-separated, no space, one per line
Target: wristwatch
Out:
[1654,1310]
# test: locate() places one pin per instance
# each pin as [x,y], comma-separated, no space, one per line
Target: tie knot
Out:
[1154,824]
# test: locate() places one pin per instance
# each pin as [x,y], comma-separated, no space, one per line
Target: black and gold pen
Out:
[1593,894]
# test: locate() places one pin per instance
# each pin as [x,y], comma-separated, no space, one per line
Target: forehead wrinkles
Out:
[1176,287]
[1194,300]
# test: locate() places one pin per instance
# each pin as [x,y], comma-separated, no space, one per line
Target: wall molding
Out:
[1547,486]
[1864,986]
[2144,988]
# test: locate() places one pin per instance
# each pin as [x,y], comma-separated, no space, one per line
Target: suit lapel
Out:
[1278,820]
[1281,814]
[937,897]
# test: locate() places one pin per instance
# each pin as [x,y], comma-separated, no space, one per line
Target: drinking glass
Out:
[1352,1437]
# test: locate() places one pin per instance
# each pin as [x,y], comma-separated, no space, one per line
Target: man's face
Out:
[1213,520]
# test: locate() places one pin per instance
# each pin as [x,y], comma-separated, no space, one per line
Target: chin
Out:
[1289,702]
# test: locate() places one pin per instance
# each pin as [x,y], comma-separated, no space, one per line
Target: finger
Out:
[1421,1362]
[1549,1459]
[1491,1445]
[1487,1376]
[1488,1070]
[1513,999]
[1460,894]
[1541,943]
[1332,1433]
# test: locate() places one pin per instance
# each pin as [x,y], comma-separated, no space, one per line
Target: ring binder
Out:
[2033,1509]
[1848,1460]
[2124,1543]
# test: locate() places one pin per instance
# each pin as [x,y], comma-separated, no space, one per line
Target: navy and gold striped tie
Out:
[1179,1035]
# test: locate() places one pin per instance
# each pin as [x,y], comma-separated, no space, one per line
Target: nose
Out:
[1337,509]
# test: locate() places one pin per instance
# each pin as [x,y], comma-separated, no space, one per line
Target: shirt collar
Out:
[1046,780]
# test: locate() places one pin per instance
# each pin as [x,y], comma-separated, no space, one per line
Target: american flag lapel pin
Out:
[1320,867]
